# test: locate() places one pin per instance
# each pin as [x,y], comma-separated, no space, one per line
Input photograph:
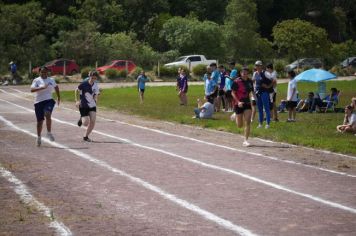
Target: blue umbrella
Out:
[315,75]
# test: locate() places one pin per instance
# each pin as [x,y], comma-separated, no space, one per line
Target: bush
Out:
[112,73]
[134,74]
[199,70]
[85,71]
[122,74]
[169,71]
[279,66]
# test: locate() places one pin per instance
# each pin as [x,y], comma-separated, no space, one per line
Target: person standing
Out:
[183,87]
[221,93]
[272,75]
[263,89]
[13,71]
[141,84]
[44,103]
[89,92]
[292,98]
[211,87]
[242,89]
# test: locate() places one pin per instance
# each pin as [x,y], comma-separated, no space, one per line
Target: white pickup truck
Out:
[190,61]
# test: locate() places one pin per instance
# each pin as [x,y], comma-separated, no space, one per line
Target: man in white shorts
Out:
[43,87]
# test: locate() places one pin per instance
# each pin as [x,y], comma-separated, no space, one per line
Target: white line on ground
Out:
[183,203]
[28,199]
[223,146]
[215,167]
[239,150]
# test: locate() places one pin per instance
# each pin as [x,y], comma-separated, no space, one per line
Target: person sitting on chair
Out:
[326,102]
[306,104]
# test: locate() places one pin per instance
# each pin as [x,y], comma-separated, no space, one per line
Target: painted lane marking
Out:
[25,195]
[219,168]
[223,146]
[183,203]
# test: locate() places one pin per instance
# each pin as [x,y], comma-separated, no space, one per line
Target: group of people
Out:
[88,92]
[238,93]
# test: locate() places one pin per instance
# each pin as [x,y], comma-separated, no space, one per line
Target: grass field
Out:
[314,130]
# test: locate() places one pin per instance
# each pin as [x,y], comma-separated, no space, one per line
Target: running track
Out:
[144,179]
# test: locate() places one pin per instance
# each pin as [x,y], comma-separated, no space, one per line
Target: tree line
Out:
[91,31]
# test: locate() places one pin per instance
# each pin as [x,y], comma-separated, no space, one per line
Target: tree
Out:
[240,28]
[193,36]
[298,38]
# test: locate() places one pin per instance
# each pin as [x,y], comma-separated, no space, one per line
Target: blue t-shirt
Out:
[223,76]
[233,74]
[87,95]
[215,75]
[13,68]
[209,85]
[141,79]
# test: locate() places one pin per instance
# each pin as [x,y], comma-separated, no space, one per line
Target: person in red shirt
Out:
[241,91]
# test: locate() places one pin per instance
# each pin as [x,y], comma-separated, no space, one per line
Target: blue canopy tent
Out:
[318,76]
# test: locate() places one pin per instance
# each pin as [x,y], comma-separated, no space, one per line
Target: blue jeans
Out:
[197,112]
[263,101]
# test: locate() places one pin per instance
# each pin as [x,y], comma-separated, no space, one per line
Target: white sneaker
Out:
[38,141]
[267,127]
[50,137]
[259,126]
[246,144]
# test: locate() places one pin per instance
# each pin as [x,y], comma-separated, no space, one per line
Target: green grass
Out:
[314,130]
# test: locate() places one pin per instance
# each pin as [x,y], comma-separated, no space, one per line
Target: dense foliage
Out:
[93,31]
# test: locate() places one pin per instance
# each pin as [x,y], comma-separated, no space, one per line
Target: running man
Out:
[89,92]
[242,88]
[141,84]
[43,87]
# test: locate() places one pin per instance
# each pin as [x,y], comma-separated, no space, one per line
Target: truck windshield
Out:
[181,58]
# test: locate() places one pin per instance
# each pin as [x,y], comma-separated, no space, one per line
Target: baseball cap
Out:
[258,63]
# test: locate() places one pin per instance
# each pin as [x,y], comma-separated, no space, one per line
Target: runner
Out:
[43,87]
[241,90]
[89,92]
[141,84]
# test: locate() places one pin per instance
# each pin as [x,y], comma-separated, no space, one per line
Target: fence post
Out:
[158,70]
[126,68]
[96,64]
[29,70]
[64,69]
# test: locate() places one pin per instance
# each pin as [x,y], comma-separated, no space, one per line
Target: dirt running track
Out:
[143,177]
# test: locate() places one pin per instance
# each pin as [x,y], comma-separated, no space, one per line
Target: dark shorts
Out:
[291,104]
[44,107]
[240,110]
[142,90]
[221,93]
[86,111]
[184,90]
[228,94]
[254,103]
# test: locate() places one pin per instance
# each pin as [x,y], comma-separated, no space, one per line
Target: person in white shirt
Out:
[43,87]
[349,124]
[204,111]
[272,75]
[292,98]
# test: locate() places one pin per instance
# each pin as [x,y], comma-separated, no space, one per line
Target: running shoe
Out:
[267,127]
[50,136]
[259,126]
[246,144]
[80,122]
[86,139]
[38,141]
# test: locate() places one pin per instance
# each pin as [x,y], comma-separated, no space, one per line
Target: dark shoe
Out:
[80,122]
[86,139]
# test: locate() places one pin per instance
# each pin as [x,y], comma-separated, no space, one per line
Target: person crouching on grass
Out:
[44,103]
[241,90]
[89,92]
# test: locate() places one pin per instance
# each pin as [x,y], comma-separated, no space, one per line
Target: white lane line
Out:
[215,167]
[183,203]
[25,195]
[223,146]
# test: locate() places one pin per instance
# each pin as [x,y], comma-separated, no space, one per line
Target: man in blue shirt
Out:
[211,88]
[141,84]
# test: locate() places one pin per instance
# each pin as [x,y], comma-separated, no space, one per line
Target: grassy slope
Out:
[314,130]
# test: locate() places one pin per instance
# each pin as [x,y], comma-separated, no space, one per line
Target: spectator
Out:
[349,124]
[263,88]
[13,71]
[221,91]
[292,98]
[305,105]
[272,75]
[204,111]
[325,102]
[228,96]
[183,87]
[141,84]
[211,88]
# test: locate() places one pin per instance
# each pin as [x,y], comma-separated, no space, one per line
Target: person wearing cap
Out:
[263,87]
[242,89]
[89,92]
[43,87]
